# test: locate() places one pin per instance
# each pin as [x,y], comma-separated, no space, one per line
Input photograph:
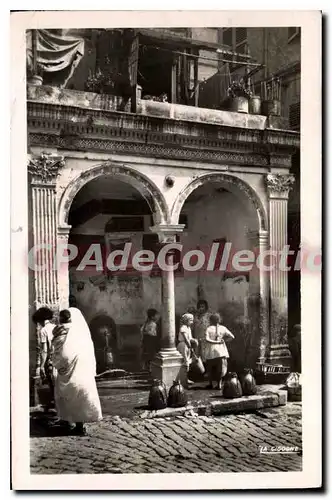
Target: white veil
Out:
[80,336]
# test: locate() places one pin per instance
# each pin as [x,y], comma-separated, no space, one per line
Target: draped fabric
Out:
[57,55]
[76,395]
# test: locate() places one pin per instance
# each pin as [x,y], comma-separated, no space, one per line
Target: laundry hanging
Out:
[56,55]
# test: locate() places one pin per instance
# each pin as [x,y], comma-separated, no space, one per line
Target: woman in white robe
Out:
[76,395]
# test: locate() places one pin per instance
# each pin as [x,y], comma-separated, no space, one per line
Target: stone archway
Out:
[142,183]
[248,232]
[147,189]
[233,183]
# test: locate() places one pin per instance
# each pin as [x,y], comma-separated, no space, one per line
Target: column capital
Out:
[167,232]
[279,185]
[45,168]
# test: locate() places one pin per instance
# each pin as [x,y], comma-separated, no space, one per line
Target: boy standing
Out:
[43,318]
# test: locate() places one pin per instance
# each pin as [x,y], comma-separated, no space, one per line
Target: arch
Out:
[234,183]
[139,181]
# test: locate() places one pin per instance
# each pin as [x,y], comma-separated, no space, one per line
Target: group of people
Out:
[68,366]
[68,363]
[200,334]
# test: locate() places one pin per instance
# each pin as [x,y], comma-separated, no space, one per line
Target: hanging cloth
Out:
[57,55]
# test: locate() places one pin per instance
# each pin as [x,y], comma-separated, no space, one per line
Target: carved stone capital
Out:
[279,185]
[167,232]
[45,168]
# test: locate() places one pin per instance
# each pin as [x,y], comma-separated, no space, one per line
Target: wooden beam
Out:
[196,86]
[174,80]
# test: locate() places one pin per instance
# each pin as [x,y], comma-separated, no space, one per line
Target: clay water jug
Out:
[157,396]
[232,387]
[248,383]
[177,396]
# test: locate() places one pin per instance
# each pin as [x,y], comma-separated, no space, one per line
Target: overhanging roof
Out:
[177,39]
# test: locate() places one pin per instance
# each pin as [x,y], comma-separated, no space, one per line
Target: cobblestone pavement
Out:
[179,444]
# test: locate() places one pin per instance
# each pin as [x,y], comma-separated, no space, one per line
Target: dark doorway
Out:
[155,71]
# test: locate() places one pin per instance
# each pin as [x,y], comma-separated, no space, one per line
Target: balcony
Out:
[78,120]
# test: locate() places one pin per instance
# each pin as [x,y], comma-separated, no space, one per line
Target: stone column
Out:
[168,364]
[278,186]
[259,292]
[43,171]
[63,268]
[264,291]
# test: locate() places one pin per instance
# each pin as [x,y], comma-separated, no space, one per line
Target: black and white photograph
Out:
[165,257]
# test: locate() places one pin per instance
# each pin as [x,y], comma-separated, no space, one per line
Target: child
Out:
[149,333]
[186,342]
[216,350]
[43,318]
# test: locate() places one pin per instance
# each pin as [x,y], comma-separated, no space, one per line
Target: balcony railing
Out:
[81,101]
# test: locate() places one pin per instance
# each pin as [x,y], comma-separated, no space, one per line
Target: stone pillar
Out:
[43,171]
[259,291]
[168,363]
[278,186]
[63,268]
[264,297]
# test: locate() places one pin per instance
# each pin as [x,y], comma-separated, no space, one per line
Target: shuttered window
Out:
[293,33]
[241,42]
[228,37]
[294,116]
[240,35]
[237,40]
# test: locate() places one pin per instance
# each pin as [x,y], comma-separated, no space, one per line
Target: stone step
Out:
[223,406]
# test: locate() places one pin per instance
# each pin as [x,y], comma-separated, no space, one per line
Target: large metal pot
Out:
[271,107]
[248,383]
[157,395]
[232,386]
[239,104]
[255,105]
[177,396]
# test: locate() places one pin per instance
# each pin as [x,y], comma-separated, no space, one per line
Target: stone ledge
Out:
[246,403]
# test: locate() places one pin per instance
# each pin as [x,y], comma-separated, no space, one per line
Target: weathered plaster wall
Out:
[215,216]
[227,216]
[220,215]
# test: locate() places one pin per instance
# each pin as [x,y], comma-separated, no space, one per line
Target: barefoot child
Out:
[216,350]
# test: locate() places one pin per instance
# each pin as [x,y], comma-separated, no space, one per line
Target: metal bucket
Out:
[255,105]
[239,104]
[271,108]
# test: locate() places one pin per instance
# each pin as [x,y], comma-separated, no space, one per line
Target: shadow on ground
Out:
[45,424]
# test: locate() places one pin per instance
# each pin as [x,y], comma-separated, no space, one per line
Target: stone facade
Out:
[166,153]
